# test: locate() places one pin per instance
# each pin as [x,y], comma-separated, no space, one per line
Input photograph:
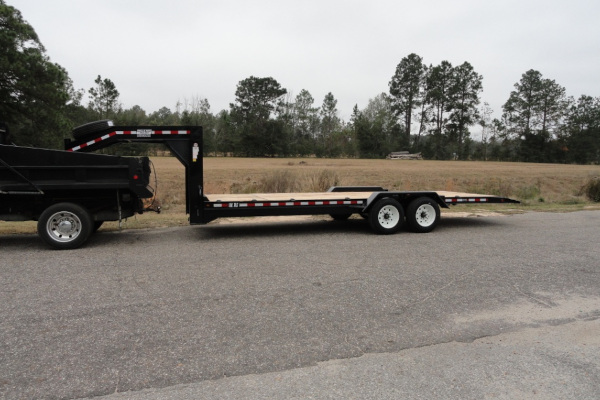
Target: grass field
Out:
[540,187]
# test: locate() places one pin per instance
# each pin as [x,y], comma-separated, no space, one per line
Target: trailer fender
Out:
[356,189]
[404,198]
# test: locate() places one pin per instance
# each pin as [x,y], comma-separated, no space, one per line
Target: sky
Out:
[159,53]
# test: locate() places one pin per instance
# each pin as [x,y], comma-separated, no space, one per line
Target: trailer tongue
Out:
[71,194]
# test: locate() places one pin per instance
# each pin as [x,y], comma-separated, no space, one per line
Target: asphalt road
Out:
[483,307]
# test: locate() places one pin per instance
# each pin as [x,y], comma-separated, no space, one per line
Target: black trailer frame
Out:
[340,202]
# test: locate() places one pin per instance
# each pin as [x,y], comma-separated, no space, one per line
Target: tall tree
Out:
[329,115]
[256,101]
[486,127]
[227,141]
[465,88]
[537,105]
[438,94]
[520,108]
[406,90]
[164,116]
[33,90]
[305,115]
[304,123]
[424,118]
[584,114]
[104,98]
[583,130]
[375,126]
[330,124]
[533,111]
[132,116]
[553,106]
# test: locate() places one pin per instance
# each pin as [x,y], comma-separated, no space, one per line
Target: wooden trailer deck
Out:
[317,196]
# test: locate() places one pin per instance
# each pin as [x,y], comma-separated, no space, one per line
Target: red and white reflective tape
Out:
[467,200]
[286,203]
[141,133]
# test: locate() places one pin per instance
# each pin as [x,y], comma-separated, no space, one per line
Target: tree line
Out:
[429,109]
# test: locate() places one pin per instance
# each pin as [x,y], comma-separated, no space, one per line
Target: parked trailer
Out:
[71,194]
[385,210]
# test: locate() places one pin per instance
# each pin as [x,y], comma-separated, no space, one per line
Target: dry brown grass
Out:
[538,186]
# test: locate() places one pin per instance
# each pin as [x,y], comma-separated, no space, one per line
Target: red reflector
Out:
[135,177]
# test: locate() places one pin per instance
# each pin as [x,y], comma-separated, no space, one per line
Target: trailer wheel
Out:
[422,215]
[83,131]
[386,216]
[65,225]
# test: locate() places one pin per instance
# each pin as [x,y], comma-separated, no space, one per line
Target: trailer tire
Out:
[84,131]
[386,216]
[65,225]
[422,215]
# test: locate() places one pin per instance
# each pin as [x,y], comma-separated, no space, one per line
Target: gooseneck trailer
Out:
[70,194]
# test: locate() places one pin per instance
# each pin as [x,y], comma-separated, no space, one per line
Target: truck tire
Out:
[386,216]
[65,225]
[422,215]
[86,130]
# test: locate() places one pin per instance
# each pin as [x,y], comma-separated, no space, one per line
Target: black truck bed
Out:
[26,170]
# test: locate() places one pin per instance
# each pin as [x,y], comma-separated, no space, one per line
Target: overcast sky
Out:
[158,52]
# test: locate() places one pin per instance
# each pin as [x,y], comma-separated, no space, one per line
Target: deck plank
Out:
[249,197]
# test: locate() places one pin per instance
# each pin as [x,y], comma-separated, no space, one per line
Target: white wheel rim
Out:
[63,226]
[425,215]
[388,216]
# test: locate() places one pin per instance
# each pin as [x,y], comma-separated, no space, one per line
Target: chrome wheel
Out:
[63,226]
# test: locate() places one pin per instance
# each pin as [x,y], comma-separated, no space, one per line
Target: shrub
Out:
[279,182]
[592,189]
[528,192]
[248,186]
[286,181]
[320,181]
